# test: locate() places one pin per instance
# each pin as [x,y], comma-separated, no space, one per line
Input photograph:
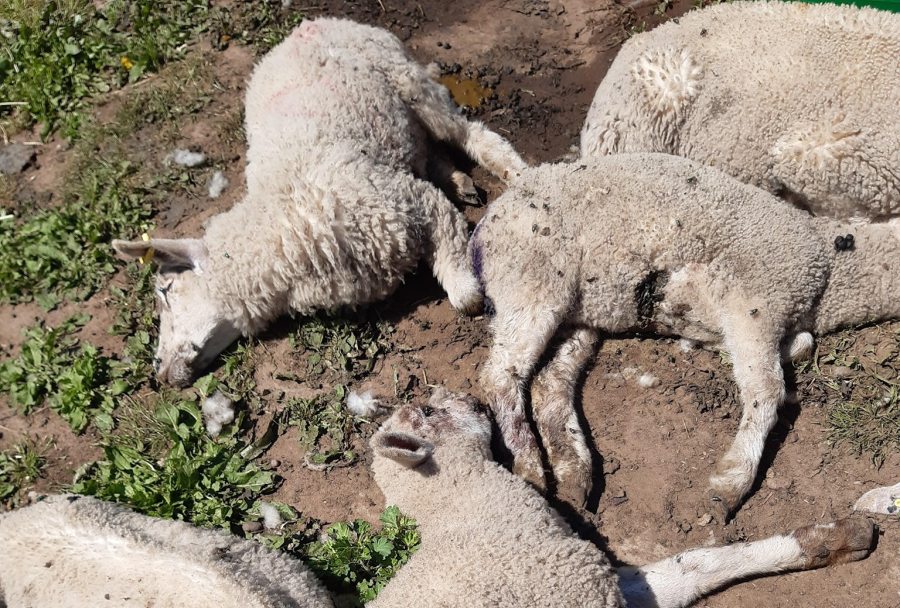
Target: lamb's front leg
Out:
[680,580]
[520,338]
[553,403]
[447,239]
[757,370]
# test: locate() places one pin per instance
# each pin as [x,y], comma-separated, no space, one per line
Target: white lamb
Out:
[651,243]
[338,119]
[488,539]
[799,99]
[78,552]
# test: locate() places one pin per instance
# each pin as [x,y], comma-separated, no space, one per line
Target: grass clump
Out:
[858,377]
[135,319]
[74,379]
[64,252]
[325,428]
[356,557]
[262,25]
[20,466]
[173,469]
[61,52]
[345,348]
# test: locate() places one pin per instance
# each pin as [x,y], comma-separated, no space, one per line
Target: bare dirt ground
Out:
[654,447]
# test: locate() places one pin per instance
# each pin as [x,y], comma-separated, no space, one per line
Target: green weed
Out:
[862,403]
[354,556]
[74,379]
[197,479]
[348,349]
[136,319]
[20,466]
[65,252]
[259,24]
[325,427]
[59,53]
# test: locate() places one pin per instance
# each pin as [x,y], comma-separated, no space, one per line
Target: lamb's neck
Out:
[864,285]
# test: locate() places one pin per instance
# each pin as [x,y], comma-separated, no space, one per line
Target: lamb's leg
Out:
[757,370]
[552,401]
[448,238]
[431,102]
[680,580]
[520,338]
[444,173]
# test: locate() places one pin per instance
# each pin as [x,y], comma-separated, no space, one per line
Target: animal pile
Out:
[736,188]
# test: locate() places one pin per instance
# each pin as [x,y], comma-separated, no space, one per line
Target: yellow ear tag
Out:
[147,257]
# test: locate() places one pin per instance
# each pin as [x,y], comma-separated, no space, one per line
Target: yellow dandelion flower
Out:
[126,62]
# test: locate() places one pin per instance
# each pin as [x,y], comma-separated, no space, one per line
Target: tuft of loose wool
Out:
[218,410]
[217,184]
[363,405]
[186,158]
[270,515]
[648,380]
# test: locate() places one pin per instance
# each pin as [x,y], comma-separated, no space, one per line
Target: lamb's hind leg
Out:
[431,102]
[520,337]
[553,401]
[680,580]
[757,370]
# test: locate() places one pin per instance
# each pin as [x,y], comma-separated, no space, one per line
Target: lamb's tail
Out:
[680,580]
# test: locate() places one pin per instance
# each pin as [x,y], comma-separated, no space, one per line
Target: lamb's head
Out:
[193,327]
[413,433]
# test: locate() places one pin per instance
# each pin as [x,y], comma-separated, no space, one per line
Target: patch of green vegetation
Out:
[136,319]
[325,427]
[61,52]
[355,557]
[74,379]
[259,24]
[194,478]
[64,252]
[861,390]
[349,349]
[20,466]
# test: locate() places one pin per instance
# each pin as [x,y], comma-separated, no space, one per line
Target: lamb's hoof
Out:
[466,192]
[723,504]
[531,472]
[573,481]
[573,492]
[846,540]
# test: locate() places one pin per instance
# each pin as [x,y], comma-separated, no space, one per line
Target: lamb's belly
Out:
[684,308]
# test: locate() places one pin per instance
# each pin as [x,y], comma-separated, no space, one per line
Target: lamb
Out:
[338,120]
[476,520]
[496,542]
[651,243]
[79,552]
[798,99]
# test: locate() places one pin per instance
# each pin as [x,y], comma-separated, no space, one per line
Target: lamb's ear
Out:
[170,254]
[408,450]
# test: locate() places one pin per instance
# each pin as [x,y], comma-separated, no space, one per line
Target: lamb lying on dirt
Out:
[652,243]
[79,552]
[338,119]
[799,99]
[488,539]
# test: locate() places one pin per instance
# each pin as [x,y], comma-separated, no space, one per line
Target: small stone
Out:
[274,463]
[778,483]
[15,158]
[704,520]
[685,527]
[252,527]
[840,372]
